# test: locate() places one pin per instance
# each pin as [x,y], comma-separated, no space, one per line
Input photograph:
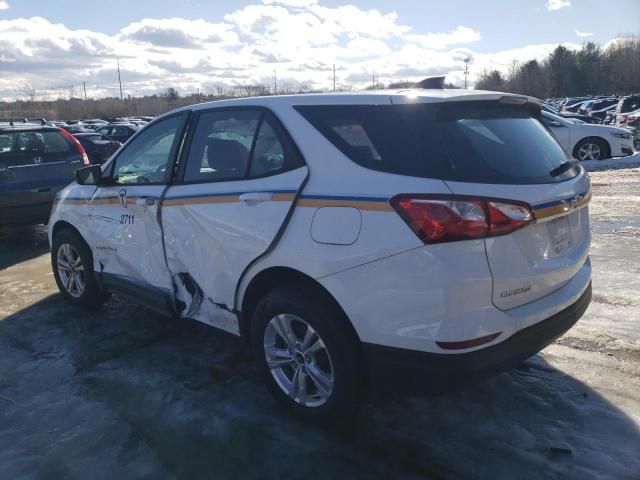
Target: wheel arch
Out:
[267,279]
[591,137]
[64,225]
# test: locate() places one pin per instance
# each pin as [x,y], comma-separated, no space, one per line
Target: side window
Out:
[145,159]
[6,142]
[272,152]
[221,145]
[227,143]
[55,143]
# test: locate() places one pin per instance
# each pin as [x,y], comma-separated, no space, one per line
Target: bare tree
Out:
[28,91]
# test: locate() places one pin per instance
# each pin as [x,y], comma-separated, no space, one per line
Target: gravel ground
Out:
[125,393]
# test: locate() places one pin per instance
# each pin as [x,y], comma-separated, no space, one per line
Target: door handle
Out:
[254,198]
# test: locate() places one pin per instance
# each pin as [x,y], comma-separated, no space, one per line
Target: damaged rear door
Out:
[235,188]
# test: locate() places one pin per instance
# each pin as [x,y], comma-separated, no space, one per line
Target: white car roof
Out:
[372,97]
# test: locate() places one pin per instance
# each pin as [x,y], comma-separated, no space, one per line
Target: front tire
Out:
[72,264]
[306,354]
[591,149]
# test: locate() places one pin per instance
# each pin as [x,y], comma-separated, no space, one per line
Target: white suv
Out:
[403,241]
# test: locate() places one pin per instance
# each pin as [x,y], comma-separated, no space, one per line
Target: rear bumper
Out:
[400,370]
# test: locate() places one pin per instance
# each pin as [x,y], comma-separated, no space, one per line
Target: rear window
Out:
[483,142]
[91,138]
[630,104]
[43,142]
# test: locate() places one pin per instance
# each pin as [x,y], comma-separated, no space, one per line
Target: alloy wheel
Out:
[70,270]
[589,151]
[298,360]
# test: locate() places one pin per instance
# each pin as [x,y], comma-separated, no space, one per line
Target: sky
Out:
[190,45]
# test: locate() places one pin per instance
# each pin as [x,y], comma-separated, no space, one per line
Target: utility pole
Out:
[275,83]
[466,71]
[373,79]
[84,87]
[119,79]
[334,77]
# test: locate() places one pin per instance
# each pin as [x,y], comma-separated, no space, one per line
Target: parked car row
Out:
[618,111]
[102,137]
[39,157]
[36,161]
[584,125]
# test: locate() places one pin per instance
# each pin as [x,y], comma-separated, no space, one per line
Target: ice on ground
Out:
[631,161]
[124,393]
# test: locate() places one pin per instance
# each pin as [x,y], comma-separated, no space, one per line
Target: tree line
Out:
[592,70]
[70,107]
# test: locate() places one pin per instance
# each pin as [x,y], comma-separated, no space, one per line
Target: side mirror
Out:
[91,175]
[553,123]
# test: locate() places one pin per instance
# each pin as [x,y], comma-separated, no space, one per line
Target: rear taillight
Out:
[448,218]
[77,144]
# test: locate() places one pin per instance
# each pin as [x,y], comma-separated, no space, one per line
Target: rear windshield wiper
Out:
[564,167]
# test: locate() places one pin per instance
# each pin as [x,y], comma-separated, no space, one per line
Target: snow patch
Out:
[632,161]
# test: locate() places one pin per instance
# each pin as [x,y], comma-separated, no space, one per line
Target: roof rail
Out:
[24,121]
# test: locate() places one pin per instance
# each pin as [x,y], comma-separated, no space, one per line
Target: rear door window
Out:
[483,142]
[221,146]
[236,144]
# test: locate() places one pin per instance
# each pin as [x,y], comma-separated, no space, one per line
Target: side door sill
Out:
[153,298]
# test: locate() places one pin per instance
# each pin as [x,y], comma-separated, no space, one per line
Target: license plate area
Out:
[560,233]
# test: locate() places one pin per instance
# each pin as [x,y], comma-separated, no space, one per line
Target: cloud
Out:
[177,33]
[301,39]
[438,41]
[3,5]
[557,4]
[582,34]
[291,3]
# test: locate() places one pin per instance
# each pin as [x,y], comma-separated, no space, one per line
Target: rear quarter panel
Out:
[336,181]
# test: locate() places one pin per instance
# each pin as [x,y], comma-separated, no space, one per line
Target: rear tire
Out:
[72,264]
[315,372]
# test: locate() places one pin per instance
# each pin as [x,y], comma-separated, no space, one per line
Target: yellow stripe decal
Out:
[359,204]
[172,202]
[561,208]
